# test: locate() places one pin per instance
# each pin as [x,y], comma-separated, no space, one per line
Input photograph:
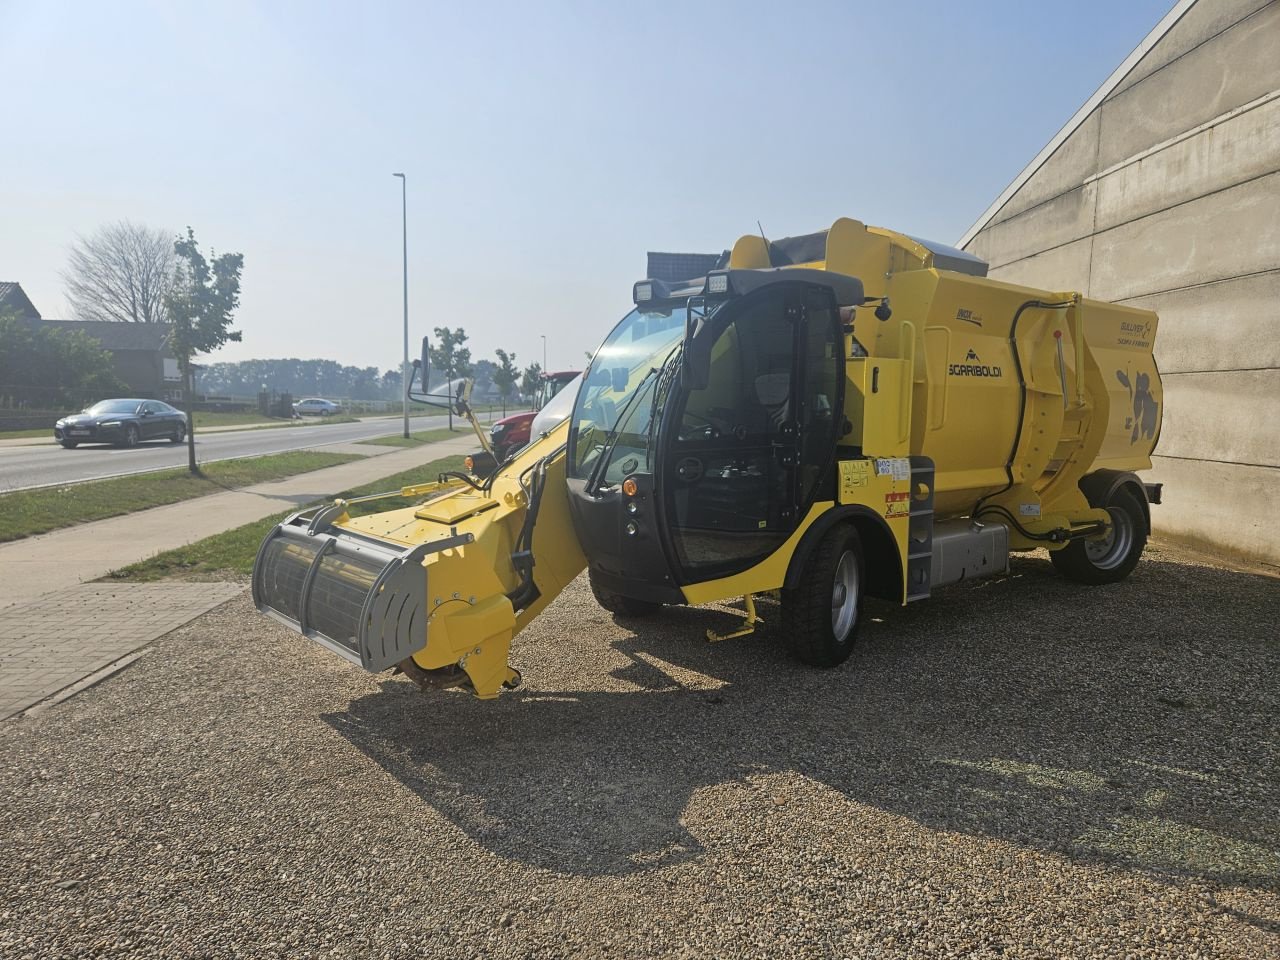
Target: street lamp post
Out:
[404,365]
[544,352]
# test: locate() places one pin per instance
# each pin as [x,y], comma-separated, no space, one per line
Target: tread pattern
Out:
[806,609]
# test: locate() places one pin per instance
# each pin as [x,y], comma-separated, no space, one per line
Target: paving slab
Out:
[55,641]
[64,558]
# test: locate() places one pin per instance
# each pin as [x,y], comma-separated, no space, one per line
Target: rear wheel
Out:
[1111,558]
[179,434]
[622,606]
[820,616]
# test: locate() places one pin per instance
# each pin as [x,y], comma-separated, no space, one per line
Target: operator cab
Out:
[706,426]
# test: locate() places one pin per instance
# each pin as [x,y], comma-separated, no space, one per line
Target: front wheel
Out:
[1111,558]
[820,616]
[131,436]
[622,606]
[68,444]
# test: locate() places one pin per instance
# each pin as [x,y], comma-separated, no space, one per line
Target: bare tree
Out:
[123,272]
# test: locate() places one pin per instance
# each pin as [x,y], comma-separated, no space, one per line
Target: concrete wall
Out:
[1167,197]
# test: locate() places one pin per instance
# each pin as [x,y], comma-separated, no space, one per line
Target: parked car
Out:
[511,433]
[316,407]
[126,422]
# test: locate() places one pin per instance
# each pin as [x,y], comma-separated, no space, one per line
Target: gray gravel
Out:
[1018,768]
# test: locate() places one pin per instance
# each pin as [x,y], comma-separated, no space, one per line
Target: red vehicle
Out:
[511,433]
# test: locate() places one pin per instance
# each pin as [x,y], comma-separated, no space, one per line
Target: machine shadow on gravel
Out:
[1132,725]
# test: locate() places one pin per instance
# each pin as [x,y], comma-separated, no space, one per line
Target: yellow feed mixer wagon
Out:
[848,413]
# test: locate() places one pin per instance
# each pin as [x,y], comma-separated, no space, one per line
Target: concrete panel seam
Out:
[1145,216]
[1191,50]
[1202,283]
[1230,463]
[1150,40]
[1185,135]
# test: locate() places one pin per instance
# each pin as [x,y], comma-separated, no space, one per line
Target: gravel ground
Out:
[1019,768]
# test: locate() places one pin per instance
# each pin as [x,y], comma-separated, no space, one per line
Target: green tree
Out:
[505,376]
[205,295]
[452,358]
[531,380]
[43,367]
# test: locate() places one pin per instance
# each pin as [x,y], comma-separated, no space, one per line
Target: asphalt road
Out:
[46,464]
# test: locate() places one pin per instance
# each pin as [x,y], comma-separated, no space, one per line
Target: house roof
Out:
[12,295]
[114,335]
[1079,117]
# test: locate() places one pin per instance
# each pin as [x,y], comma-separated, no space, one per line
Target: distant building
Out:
[12,297]
[140,354]
[1163,192]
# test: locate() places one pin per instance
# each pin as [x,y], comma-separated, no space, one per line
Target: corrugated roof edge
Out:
[1113,81]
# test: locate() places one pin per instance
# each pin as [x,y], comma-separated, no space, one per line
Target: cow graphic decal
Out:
[1145,408]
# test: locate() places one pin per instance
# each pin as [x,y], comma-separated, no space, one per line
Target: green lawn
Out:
[207,418]
[25,513]
[424,436]
[231,553]
[24,434]
[204,419]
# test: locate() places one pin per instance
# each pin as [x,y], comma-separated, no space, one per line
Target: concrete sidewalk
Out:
[64,558]
[64,643]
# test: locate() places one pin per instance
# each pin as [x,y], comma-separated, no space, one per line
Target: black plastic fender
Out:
[879,549]
[1098,487]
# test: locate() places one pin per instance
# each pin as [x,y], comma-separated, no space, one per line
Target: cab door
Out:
[743,458]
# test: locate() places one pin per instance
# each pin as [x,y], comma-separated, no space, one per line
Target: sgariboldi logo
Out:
[973,367]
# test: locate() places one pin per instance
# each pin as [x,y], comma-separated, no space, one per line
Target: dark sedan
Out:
[123,422]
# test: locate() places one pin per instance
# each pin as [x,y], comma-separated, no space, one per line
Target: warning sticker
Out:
[897,467]
[853,474]
[897,504]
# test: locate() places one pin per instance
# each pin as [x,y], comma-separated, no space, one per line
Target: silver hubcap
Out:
[1107,553]
[844,596]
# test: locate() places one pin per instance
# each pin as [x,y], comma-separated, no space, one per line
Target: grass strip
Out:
[24,513]
[424,436]
[231,553]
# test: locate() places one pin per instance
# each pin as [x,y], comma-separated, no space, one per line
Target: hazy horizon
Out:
[547,149]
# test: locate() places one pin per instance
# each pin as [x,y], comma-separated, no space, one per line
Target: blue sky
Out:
[548,146]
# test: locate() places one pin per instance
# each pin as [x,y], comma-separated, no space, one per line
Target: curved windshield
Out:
[611,415]
[113,406]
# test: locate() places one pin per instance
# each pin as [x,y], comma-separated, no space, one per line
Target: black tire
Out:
[130,436]
[621,606]
[817,632]
[324,413]
[69,444]
[179,434]
[1111,560]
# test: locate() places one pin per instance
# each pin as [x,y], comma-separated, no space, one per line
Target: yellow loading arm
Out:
[438,589]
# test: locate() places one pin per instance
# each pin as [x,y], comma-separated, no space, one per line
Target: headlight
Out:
[498,429]
[109,423]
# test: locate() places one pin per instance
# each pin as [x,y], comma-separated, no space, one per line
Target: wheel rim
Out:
[844,596]
[1107,553]
[131,436]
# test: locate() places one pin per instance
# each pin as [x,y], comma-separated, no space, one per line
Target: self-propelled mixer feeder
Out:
[848,413]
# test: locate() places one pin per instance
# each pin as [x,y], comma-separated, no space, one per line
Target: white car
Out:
[316,407]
